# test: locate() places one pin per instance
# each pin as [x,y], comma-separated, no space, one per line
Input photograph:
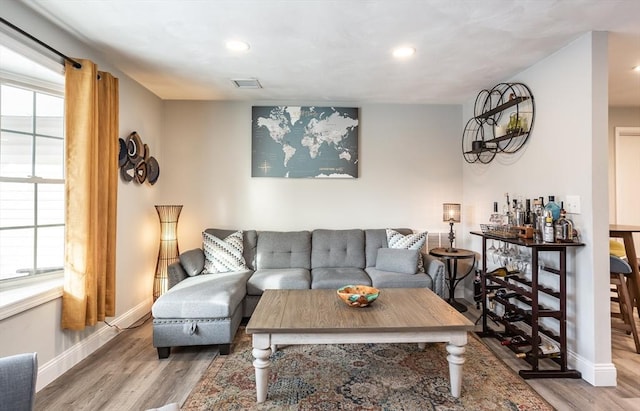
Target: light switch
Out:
[572,204]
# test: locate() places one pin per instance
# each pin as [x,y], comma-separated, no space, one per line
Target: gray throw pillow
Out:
[192,261]
[408,242]
[398,260]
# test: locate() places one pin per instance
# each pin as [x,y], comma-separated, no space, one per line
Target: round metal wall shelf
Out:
[502,122]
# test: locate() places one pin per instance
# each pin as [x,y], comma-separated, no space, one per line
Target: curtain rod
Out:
[48,47]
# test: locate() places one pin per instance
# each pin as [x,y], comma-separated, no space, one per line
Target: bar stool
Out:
[620,269]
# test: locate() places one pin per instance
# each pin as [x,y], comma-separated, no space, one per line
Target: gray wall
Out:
[408,158]
[38,329]
[565,155]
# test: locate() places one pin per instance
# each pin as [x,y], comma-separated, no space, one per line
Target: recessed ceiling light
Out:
[237,45]
[403,52]
[636,68]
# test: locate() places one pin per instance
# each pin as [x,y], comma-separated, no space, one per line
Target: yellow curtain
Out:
[91,144]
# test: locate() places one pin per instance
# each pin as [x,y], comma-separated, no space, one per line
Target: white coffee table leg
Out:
[456,359]
[261,352]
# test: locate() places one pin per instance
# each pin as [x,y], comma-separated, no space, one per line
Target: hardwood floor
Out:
[126,374]
[576,394]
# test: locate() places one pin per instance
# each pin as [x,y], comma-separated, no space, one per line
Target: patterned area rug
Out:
[362,377]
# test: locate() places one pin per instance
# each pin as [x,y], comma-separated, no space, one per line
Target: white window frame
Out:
[23,293]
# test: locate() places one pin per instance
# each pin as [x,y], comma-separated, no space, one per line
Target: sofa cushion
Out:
[335,278]
[337,248]
[223,255]
[250,238]
[407,242]
[279,279]
[203,296]
[377,238]
[283,249]
[388,279]
[398,260]
[192,261]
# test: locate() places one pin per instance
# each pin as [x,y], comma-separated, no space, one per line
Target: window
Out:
[31,175]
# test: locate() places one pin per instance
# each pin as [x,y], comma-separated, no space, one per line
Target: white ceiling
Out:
[340,50]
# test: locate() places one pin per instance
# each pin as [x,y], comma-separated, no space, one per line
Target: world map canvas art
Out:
[304,142]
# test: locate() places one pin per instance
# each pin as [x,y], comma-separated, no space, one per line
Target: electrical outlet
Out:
[572,204]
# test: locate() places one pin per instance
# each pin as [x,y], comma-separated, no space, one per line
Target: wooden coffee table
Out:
[399,315]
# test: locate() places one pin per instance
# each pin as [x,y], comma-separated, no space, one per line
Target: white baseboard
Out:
[65,361]
[598,375]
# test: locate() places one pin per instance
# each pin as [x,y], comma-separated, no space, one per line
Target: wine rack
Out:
[502,122]
[523,309]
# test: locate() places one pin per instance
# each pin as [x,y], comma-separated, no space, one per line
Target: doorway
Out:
[627,177]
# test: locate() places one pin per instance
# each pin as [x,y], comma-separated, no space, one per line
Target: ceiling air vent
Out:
[246,83]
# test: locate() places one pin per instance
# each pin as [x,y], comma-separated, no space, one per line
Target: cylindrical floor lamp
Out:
[168,252]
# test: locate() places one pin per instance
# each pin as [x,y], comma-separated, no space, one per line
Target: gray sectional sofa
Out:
[203,309]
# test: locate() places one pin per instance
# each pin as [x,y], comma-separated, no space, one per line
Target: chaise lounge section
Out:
[203,308]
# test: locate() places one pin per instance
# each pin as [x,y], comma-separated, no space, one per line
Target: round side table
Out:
[451,259]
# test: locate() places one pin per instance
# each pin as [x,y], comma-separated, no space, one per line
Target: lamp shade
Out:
[168,252]
[451,212]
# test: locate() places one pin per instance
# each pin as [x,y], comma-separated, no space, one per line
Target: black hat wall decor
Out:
[135,162]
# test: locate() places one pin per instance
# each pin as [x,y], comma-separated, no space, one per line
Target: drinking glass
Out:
[497,255]
[492,249]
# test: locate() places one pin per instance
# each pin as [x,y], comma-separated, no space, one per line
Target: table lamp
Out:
[451,213]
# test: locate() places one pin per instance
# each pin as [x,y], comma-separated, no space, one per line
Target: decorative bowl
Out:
[358,295]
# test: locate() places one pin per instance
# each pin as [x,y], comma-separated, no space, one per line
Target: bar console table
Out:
[521,292]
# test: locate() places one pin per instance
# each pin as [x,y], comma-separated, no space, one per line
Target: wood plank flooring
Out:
[577,394]
[126,374]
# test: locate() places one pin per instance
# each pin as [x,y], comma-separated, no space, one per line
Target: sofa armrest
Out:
[176,274]
[435,268]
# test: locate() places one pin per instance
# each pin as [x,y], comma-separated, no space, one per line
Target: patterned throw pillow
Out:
[407,242]
[223,256]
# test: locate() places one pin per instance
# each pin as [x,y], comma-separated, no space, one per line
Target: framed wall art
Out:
[304,142]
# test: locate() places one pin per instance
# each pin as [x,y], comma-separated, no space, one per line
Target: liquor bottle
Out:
[527,212]
[507,214]
[477,288]
[554,207]
[540,355]
[515,341]
[564,228]
[541,201]
[548,231]
[500,272]
[496,218]
[512,317]
[545,350]
[519,213]
[505,295]
[538,219]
